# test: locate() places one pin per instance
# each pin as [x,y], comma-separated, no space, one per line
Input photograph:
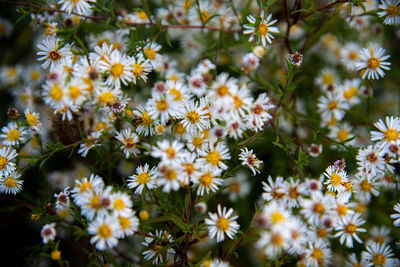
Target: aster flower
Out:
[140,67]
[396,216]
[222,223]
[194,117]
[144,177]
[318,254]
[33,120]
[379,255]
[128,224]
[336,178]
[7,154]
[263,29]
[121,204]
[104,231]
[389,132]
[13,134]
[250,160]
[10,183]
[78,6]
[48,232]
[207,180]
[52,53]
[390,9]
[348,227]
[214,155]
[156,244]
[372,62]
[129,142]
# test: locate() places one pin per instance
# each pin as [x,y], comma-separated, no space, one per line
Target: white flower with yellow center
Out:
[372,62]
[190,167]
[106,96]
[128,224]
[318,254]
[350,55]
[194,117]
[389,132]
[90,142]
[140,67]
[390,9]
[11,184]
[259,112]
[327,79]
[333,105]
[156,243]
[143,121]
[12,134]
[33,120]
[276,214]
[48,232]
[250,160]
[196,141]
[129,142]
[151,52]
[52,53]
[318,206]
[96,203]
[170,177]
[380,255]
[105,231]
[222,223]
[144,177]
[7,154]
[336,178]
[348,227]
[214,155]
[178,91]
[350,90]
[163,107]
[75,91]
[54,94]
[85,186]
[118,69]
[81,7]
[121,204]
[275,241]
[263,29]
[207,180]
[169,152]
[222,88]
[366,185]
[371,160]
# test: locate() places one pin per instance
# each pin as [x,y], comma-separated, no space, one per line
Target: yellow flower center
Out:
[189,168]
[293,193]
[119,204]
[74,92]
[350,93]
[205,15]
[318,208]
[258,109]
[124,222]
[213,158]
[341,210]
[223,224]
[373,63]
[162,104]
[106,97]
[116,70]
[10,182]
[170,152]
[393,10]
[55,255]
[206,179]
[146,119]
[197,141]
[276,239]
[13,135]
[317,253]
[193,117]
[129,143]
[31,119]
[391,135]
[379,259]
[350,228]
[85,186]
[328,79]
[179,128]
[372,157]
[143,178]
[277,217]
[263,29]
[234,186]
[141,14]
[104,231]
[178,96]
[237,101]
[336,179]
[322,233]
[138,69]
[222,90]
[343,135]
[95,202]
[56,93]
[143,215]
[35,75]
[3,163]
[150,53]
[171,175]
[333,105]
[353,55]
[54,55]
[365,185]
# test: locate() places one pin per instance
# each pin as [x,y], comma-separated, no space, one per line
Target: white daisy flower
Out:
[163,107]
[214,155]
[263,29]
[151,52]
[52,53]
[396,216]
[121,204]
[33,120]
[348,227]
[118,68]
[169,152]
[275,241]
[128,225]
[90,142]
[170,178]
[85,186]
[318,254]
[379,255]
[129,142]
[222,223]
[156,243]
[388,133]
[194,117]
[12,134]
[143,121]
[273,190]
[140,67]
[390,9]
[250,160]
[196,141]
[372,62]
[144,177]
[96,203]
[77,6]
[336,178]
[7,154]
[207,180]
[10,183]
[333,105]
[105,231]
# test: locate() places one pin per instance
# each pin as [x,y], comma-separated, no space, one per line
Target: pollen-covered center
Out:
[10,182]
[222,90]
[263,29]
[106,97]
[206,179]
[124,222]
[350,228]
[373,63]
[13,135]
[56,93]
[213,158]
[379,259]
[178,96]
[393,10]
[318,208]
[104,231]
[372,157]
[31,119]
[55,55]
[333,105]
[365,185]
[350,93]
[277,217]
[193,117]
[137,69]
[391,135]
[3,163]
[336,179]
[116,70]
[150,53]
[162,104]
[119,204]
[143,178]
[197,141]
[223,223]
